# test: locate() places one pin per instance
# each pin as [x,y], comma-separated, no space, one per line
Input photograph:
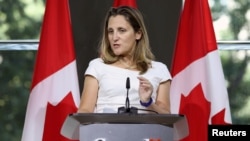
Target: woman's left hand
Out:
[145,89]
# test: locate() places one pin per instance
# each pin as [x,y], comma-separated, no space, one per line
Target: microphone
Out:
[127,103]
[127,108]
[128,83]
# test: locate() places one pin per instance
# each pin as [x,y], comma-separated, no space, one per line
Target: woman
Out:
[125,53]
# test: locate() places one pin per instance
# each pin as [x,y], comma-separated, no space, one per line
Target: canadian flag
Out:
[55,89]
[198,88]
[131,3]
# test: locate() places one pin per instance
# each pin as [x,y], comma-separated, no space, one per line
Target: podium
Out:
[124,127]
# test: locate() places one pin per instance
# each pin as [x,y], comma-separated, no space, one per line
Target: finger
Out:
[141,78]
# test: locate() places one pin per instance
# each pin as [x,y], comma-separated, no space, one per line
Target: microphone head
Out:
[128,83]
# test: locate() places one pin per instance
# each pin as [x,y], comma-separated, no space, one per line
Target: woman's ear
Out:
[138,35]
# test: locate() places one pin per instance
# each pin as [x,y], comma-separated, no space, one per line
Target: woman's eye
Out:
[122,30]
[110,31]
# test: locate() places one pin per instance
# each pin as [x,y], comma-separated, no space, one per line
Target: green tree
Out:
[15,73]
[238,17]
[235,62]
[235,70]
[16,22]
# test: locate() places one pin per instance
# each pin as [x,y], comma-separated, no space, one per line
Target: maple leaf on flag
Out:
[53,123]
[197,108]
[219,118]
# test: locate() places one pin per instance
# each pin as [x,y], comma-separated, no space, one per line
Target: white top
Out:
[112,91]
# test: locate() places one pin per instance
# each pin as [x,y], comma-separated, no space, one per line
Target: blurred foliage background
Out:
[21,20]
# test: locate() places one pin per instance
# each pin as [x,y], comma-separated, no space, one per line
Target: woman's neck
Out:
[127,63]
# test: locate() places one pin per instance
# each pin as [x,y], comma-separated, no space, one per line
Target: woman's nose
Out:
[115,36]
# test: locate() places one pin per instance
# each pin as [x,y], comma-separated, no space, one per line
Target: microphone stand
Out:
[127,108]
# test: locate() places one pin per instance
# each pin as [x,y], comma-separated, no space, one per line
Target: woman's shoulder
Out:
[161,70]
[158,64]
[96,61]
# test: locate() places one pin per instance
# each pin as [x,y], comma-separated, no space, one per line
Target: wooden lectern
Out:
[124,127]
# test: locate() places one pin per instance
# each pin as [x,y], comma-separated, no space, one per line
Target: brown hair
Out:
[142,54]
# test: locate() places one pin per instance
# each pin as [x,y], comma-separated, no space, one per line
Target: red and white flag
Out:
[131,3]
[55,89]
[198,88]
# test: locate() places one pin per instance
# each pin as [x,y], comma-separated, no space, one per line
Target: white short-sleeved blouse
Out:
[112,84]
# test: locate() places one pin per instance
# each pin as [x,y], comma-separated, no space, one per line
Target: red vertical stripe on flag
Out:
[56,41]
[131,3]
[198,88]
[195,32]
[55,89]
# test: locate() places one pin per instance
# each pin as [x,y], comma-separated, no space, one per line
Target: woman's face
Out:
[122,36]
